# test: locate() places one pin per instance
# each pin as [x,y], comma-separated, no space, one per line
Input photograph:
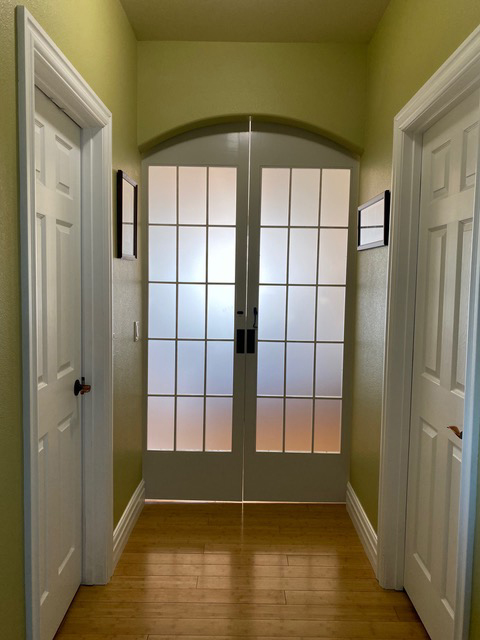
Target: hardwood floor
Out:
[200,571]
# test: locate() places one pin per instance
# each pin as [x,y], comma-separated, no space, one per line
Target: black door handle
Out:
[240,341]
[250,340]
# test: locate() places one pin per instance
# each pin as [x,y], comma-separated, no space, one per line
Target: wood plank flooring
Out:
[224,572]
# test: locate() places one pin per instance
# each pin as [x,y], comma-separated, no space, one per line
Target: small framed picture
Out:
[127,202]
[373,222]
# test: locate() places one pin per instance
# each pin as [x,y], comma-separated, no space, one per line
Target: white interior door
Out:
[445,237]
[58,268]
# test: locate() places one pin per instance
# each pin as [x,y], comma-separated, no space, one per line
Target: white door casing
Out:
[445,237]
[59,350]
[40,63]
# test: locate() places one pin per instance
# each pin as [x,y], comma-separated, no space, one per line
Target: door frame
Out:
[458,77]
[41,63]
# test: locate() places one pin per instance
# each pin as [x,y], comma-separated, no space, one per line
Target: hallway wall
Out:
[186,84]
[412,41]
[99,41]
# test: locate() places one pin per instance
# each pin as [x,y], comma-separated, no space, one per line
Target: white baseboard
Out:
[127,522]
[362,524]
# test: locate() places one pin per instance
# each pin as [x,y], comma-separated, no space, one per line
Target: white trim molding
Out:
[451,84]
[41,63]
[128,520]
[363,526]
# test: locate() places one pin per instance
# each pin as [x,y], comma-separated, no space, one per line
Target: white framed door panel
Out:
[58,238]
[443,283]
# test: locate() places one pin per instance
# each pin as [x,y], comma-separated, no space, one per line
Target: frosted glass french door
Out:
[248,243]
[302,196]
[197,217]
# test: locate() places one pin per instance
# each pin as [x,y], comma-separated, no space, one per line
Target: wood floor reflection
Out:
[200,571]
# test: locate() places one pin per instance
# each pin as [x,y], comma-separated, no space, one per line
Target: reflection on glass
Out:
[332,259]
[218,424]
[269,424]
[305,197]
[161,366]
[270,368]
[220,320]
[299,369]
[302,263]
[222,195]
[191,311]
[189,424]
[335,197]
[301,313]
[273,256]
[328,426]
[160,424]
[221,254]
[161,310]
[192,195]
[271,313]
[191,254]
[275,197]
[162,255]
[330,314]
[298,425]
[220,368]
[190,367]
[329,370]
[162,195]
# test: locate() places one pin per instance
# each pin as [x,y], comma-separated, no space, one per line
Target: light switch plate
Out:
[136,331]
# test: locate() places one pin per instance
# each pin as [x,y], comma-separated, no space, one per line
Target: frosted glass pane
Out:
[271,313]
[332,259]
[218,427]
[190,367]
[191,311]
[220,368]
[162,195]
[301,313]
[335,198]
[298,425]
[269,424]
[275,197]
[302,265]
[329,370]
[222,195]
[162,256]
[305,197]
[299,369]
[330,313]
[192,195]
[192,254]
[270,368]
[221,254]
[161,310]
[273,256]
[161,366]
[160,424]
[221,299]
[328,426]
[189,424]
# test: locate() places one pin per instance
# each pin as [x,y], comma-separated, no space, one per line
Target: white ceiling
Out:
[255,20]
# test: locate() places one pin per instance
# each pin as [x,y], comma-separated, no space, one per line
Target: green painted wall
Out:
[412,41]
[96,36]
[187,84]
